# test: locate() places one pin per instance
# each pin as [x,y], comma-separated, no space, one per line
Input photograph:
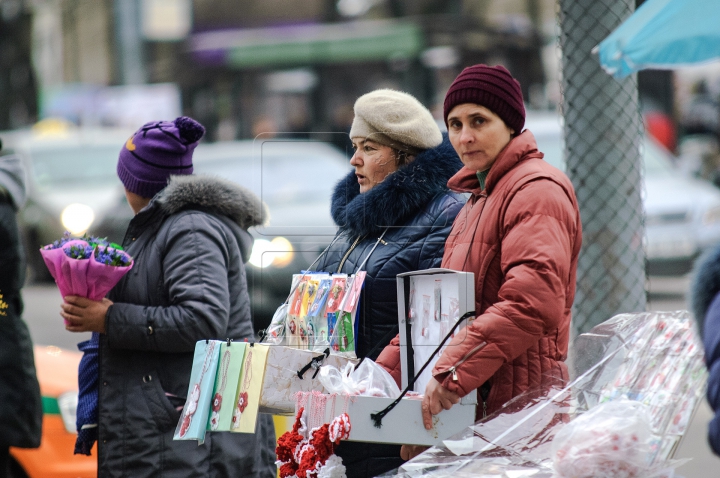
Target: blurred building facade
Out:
[288,65]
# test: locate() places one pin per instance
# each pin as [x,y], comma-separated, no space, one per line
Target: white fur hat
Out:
[395,119]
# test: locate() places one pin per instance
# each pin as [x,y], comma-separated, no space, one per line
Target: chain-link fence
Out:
[602,150]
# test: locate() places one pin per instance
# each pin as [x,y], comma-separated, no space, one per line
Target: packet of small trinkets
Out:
[342,339]
[194,417]
[430,303]
[318,338]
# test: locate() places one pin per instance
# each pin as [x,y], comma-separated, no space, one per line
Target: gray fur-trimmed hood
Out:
[236,206]
[216,195]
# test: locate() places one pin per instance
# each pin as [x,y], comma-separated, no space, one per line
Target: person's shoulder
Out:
[442,203]
[194,220]
[535,168]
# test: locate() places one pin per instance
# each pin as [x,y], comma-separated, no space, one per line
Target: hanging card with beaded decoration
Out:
[251,380]
[227,384]
[194,417]
[293,326]
[308,298]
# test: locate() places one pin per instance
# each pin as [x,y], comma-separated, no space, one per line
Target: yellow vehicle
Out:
[57,374]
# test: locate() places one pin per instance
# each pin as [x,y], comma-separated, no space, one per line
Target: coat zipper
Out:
[453,370]
[342,262]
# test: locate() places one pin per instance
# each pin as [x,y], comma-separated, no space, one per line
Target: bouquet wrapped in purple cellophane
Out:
[86,267]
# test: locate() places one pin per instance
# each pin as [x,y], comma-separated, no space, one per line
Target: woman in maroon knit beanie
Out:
[520,234]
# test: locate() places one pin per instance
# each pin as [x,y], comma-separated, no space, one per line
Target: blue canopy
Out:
[663,34]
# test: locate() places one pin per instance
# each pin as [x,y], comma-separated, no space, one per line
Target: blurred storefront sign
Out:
[299,80]
[130,105]
[166,20]
[440,57]
[308,44]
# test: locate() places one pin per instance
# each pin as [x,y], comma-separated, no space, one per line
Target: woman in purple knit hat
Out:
[189,241]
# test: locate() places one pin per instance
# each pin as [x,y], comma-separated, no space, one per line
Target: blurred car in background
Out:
[57,375]
[296,179]
[682,213]
[73,186]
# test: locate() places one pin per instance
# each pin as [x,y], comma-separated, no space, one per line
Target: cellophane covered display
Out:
[319,314]
[648,366]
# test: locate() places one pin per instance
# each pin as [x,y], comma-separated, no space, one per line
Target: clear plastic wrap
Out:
[369,379]
[653,358]
[275,333]
[611,440]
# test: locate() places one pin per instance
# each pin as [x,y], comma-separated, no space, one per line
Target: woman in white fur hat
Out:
[398,191]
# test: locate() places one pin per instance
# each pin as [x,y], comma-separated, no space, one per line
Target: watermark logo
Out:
[3,305]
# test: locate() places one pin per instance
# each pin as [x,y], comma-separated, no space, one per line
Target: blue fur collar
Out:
[399,197]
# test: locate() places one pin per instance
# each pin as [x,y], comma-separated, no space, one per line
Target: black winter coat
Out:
[20,403]
[188,283]
[417,209]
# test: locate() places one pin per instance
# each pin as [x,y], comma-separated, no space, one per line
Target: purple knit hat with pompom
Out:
[155,152]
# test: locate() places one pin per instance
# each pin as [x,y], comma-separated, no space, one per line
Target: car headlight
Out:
[712,215]
[278,252]
[67,403]
[77,218]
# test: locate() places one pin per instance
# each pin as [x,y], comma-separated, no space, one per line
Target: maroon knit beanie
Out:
[156,151]
[492,87]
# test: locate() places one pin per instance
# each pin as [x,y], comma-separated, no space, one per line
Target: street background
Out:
[78,76]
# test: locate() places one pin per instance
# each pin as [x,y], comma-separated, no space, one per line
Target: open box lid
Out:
[418,293]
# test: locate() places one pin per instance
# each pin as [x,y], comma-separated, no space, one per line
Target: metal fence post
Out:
[603,136]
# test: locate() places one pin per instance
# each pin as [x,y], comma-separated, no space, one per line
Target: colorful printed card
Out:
[224,397]
[345,328]
[319,303]
[194,417]
[251,380]
[353,293]
[292,332]
[317,321]
[337,293]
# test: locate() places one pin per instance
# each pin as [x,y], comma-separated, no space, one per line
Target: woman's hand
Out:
[437,398]
[408,452]
[84,315]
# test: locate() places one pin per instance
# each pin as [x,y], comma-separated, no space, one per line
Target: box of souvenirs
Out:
[402,426]
[316,326]
[430,303]
[320,313]
[289,371]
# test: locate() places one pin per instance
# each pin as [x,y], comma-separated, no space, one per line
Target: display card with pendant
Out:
[232,356]
[317,320]
[310,293]
[251,381]
[194,418]
[293,319]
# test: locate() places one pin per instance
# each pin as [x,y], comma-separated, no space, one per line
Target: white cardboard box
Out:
[413,343]
[281,381]
[403,425]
